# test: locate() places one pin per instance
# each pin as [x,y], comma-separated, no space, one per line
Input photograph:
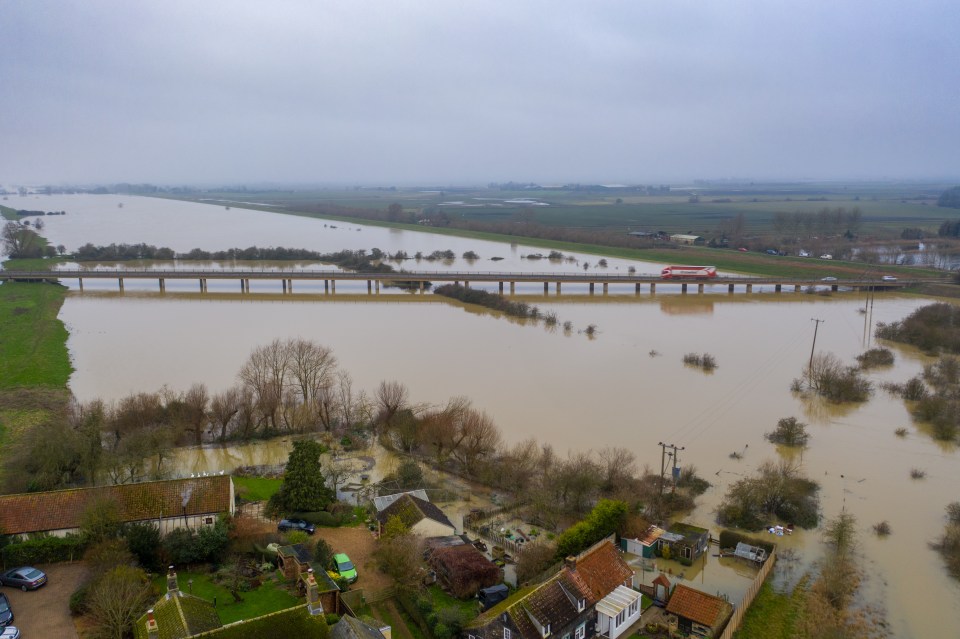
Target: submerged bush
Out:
[789,432]
[706,361]
[875,357]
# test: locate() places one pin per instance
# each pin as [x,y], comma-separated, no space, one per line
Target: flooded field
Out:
[625,386]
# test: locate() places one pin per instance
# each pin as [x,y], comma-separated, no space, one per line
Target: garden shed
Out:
[463,570]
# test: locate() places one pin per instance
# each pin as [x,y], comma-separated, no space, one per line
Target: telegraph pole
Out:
[812,347]
[676,467]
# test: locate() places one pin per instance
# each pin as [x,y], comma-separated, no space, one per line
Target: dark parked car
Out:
[25,578]
[6,614]
[296,524]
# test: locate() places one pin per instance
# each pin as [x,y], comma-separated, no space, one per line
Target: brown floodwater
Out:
[626,386]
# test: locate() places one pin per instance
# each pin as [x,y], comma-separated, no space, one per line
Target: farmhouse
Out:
[588,596]
[171,504]
[419,516]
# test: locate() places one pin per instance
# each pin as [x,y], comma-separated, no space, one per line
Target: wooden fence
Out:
[737,619]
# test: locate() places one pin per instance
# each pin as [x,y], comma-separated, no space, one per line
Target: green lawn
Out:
[256,488]
[773,615]
[33,342]
[271,596]
[442,599]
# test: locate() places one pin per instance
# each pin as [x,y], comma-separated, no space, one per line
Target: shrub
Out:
[882,529]
[900,432]
[78,600]
[605,518]
[778,489]
[875,357]
[917,473]
[143,540]
[706,361]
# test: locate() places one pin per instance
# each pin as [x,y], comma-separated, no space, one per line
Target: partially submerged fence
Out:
[475,523]
[737,619]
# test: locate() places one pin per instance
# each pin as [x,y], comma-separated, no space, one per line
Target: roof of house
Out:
[597,573]
[180,615]
[352,628]
[698,606]
[383,501]
[63,509]
[602,569]
[411,510]
[688,532]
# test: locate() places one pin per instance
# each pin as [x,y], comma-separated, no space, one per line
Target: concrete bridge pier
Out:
[700,288]
[369,287]
[546,288]
[421,287]
[835,288]
[290,285]
[284,280]
[333,287]
[591,288]
[121,283]
[80,279]
[163,287]
[203,285]
[796,289]
[683,288]
[558,288]
[776,288]
[637,288]
[466,284]
[376,286]
[730,288]
[326,286]
[501,288]
[653,288]
[606,288]
[749,288]
[513,287]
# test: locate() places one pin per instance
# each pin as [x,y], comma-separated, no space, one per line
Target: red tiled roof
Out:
[602,569]
[698,606]
[63,509]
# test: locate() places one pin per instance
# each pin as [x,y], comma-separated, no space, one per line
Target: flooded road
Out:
[565,388]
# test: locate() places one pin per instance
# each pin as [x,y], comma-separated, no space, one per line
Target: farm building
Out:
[682,238]
[170,504]
[463,570]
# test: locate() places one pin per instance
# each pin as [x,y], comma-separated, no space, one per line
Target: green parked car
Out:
[344,567]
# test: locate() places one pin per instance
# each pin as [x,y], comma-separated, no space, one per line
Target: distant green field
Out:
[886,208]
[33,341]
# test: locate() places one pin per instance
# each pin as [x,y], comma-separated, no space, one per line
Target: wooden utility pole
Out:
[812,347]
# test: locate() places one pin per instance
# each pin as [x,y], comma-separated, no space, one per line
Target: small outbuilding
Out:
[645,545]
[684,542]
[699,614]
[683,238]
[463,570]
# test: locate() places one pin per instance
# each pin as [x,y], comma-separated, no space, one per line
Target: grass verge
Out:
[33,342]
[773,615]
[256,488]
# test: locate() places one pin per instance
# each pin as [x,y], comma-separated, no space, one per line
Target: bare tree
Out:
[479,439]
[311,365]
[335,472]
[618,465]
[117,599]
[391,398]
[267,374]
[223,407]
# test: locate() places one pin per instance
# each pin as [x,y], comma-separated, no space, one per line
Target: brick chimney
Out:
[172,587]
[313,594]
[152,631]
[570,563]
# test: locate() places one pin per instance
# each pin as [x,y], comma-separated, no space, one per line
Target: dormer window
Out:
[506,633]
[546,631]
[581,604]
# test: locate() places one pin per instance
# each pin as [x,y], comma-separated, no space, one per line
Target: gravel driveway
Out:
[45,612]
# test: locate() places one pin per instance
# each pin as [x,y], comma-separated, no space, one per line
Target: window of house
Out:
[581,631]
[686,552]
[506,633]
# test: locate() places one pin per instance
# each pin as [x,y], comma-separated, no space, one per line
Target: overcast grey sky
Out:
[201,91]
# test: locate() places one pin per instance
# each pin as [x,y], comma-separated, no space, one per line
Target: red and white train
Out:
[689,272]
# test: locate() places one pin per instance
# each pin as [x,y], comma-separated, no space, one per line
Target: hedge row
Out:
[43,550]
